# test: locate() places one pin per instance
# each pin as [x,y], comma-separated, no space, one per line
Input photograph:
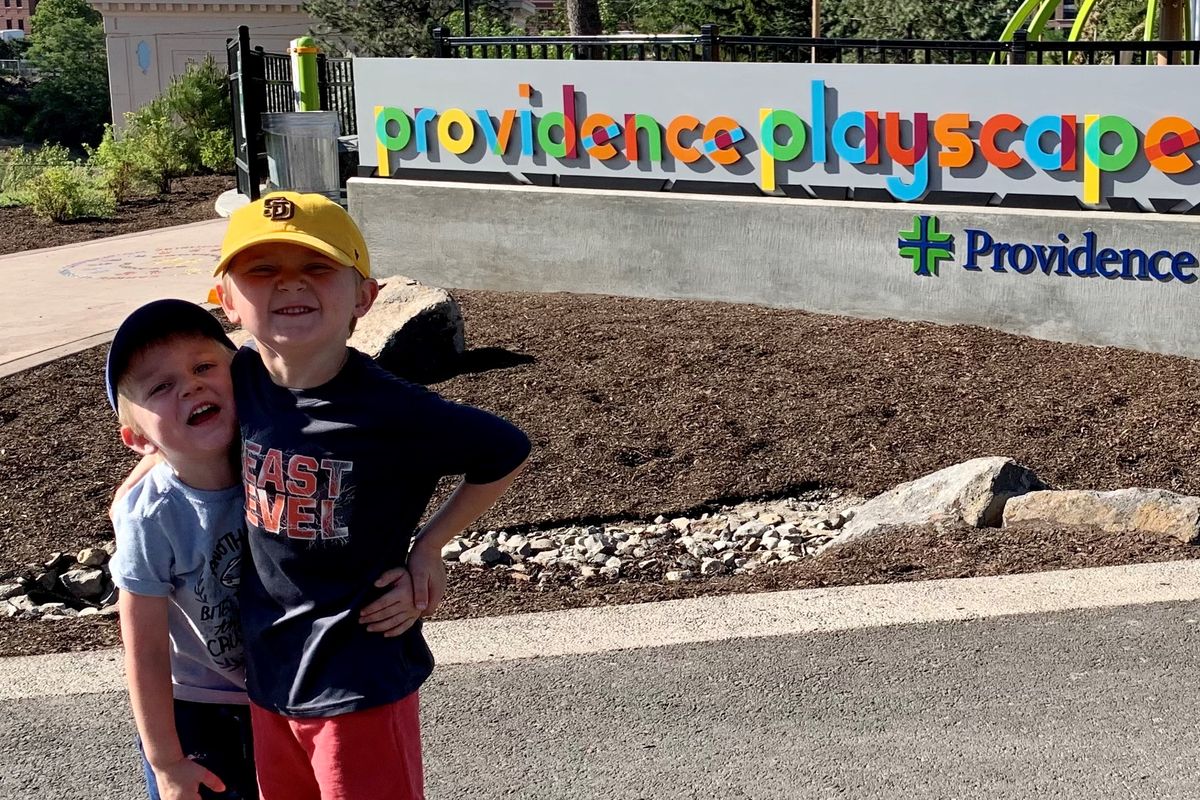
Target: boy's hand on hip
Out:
[428,575]
[394,612]
[181,780]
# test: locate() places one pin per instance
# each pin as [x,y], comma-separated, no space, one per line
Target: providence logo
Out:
[926,246]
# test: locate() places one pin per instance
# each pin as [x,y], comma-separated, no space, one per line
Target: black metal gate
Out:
[247,93]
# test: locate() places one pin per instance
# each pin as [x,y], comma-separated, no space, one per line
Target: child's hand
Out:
[428,576]
[181,780]
[394,613]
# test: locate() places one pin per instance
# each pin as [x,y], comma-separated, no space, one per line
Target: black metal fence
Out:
[710,45]
[261,81]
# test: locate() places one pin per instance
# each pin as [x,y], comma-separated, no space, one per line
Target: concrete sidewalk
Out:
[66,299]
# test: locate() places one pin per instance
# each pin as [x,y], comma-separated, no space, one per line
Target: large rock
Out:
[83,583]
[975,492]
[413,331]
[1154,511]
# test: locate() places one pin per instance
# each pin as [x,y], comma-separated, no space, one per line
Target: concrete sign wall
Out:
[1091,132]
[1103,278]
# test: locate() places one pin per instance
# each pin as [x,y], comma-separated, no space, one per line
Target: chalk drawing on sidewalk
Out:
[156,263]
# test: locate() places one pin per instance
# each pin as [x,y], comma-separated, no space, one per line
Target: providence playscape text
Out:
[1085,145]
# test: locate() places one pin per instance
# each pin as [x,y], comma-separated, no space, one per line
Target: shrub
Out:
[70,192]
[216,151]
[21,170]
[181,133]
[151,151]
[118,164]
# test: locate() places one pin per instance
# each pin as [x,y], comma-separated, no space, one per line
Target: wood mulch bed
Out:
[190,200]
[644,407]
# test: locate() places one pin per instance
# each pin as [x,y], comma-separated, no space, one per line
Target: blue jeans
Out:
[218,737]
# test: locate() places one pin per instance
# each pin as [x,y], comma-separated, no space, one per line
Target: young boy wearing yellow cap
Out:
[340,460]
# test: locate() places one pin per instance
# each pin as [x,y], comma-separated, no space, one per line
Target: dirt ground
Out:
[641,407]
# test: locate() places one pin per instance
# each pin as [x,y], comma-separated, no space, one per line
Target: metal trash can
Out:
[302,151]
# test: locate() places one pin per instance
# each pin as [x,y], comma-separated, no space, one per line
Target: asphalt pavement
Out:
[1059,685]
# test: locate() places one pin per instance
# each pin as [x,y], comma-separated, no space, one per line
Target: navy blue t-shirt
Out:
[337,478]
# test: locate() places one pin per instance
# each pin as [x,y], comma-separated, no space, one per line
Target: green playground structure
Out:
[1170,19]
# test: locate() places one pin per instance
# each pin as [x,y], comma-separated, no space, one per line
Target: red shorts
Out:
[373,754]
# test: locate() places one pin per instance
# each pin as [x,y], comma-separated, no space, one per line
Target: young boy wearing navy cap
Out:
[180,532]
[339,460]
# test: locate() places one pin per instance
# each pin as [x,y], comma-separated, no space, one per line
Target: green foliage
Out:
[734,17]
[117,161]
[70,192]
[216,151]
[870,19]
[21,170]
[199,98]
[71,96]
[154,148]
[393,28]
[15,106]
[181,133]
[917,19]
[14,48]
[1117,20]
[488,18]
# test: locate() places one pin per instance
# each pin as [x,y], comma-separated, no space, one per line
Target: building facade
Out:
[17,14]
[149,43]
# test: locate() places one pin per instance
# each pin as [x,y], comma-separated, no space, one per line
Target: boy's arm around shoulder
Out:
[139,471]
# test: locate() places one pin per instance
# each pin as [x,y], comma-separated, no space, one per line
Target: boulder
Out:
[83,583]
[1154,511]
[974,491]
[413,331]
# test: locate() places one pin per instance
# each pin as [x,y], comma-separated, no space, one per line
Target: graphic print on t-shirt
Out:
[215,593]
[299,496]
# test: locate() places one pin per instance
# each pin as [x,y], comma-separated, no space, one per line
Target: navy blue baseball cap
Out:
[152,323]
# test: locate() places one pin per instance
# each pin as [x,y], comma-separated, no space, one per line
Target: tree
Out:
[583,18]
[393,28]
[870,19]
[733,17]
[918,19]
[71,97]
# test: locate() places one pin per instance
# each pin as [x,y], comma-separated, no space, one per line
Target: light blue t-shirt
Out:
[186,544]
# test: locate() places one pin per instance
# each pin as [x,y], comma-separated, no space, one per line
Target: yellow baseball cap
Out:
[309,220]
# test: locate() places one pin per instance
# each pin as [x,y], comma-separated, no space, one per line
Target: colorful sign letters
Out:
[812,132]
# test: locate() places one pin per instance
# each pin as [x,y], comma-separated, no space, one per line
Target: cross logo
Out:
[279,208]
[926,245]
